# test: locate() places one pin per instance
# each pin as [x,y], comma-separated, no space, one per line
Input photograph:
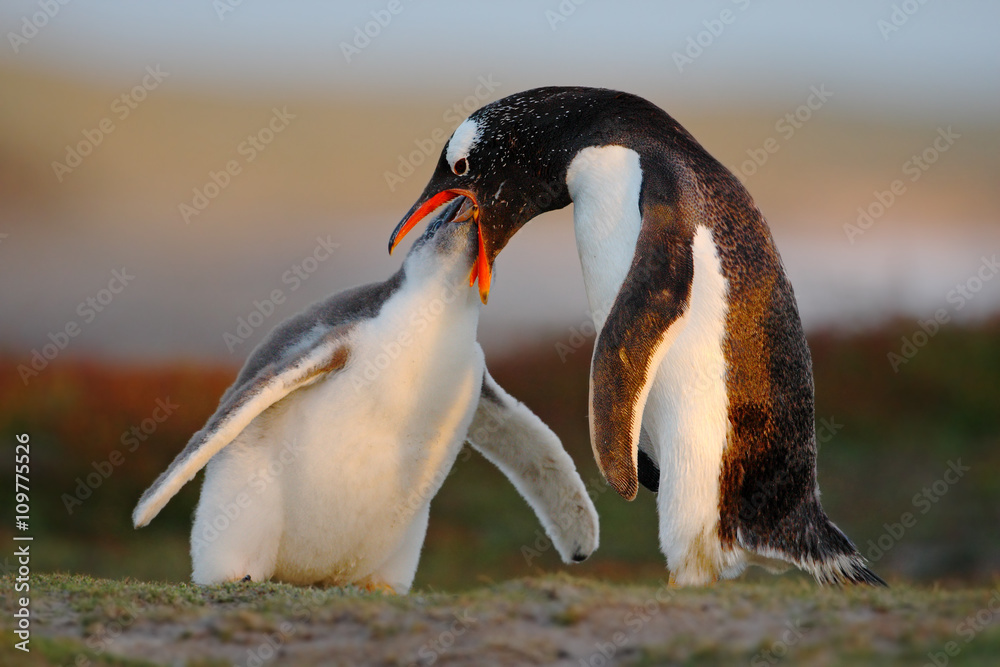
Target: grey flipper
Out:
[652,297]
[239,407]
[297,353]
[515,440]
[344,308]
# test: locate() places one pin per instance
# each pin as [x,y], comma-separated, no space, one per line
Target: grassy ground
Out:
[555,620]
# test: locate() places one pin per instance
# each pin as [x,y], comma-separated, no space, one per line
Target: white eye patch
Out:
[462,142]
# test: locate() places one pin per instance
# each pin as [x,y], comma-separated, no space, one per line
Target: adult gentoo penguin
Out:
[323,457]
[701,380]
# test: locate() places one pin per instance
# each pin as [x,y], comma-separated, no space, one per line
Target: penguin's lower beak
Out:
[481,267]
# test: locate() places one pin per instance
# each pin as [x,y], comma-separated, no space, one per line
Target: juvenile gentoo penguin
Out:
[323,457]
[701,380]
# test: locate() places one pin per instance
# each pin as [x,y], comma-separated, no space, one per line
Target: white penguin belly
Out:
[372,453]
[687,418]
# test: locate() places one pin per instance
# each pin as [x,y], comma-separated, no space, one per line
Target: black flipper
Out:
[634,338]
[649,474]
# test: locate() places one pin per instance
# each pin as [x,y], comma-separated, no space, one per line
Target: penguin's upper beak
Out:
[481,268]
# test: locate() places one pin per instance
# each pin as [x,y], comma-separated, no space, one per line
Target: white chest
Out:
[604,183]
[377,441]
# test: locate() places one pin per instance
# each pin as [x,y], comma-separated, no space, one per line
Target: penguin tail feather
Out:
[843,569]
[839,562]
[823,551]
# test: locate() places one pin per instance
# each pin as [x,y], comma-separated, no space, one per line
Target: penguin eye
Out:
[460,167]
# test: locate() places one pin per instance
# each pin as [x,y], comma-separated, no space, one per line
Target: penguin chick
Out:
[323,457]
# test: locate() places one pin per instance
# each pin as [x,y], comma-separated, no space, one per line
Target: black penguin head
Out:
[510,158]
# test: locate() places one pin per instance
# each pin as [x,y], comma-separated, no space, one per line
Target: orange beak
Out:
[481,267]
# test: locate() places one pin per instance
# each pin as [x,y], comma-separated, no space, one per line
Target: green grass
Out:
[533,620]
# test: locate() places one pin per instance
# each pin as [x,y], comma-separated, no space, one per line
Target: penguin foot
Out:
[371,586]
[692,580]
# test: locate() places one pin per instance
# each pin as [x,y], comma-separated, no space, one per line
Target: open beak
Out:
[420,210]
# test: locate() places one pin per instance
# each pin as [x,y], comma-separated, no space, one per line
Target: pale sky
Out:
[941,58]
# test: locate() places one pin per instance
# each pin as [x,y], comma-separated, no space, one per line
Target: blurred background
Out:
[166,169]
